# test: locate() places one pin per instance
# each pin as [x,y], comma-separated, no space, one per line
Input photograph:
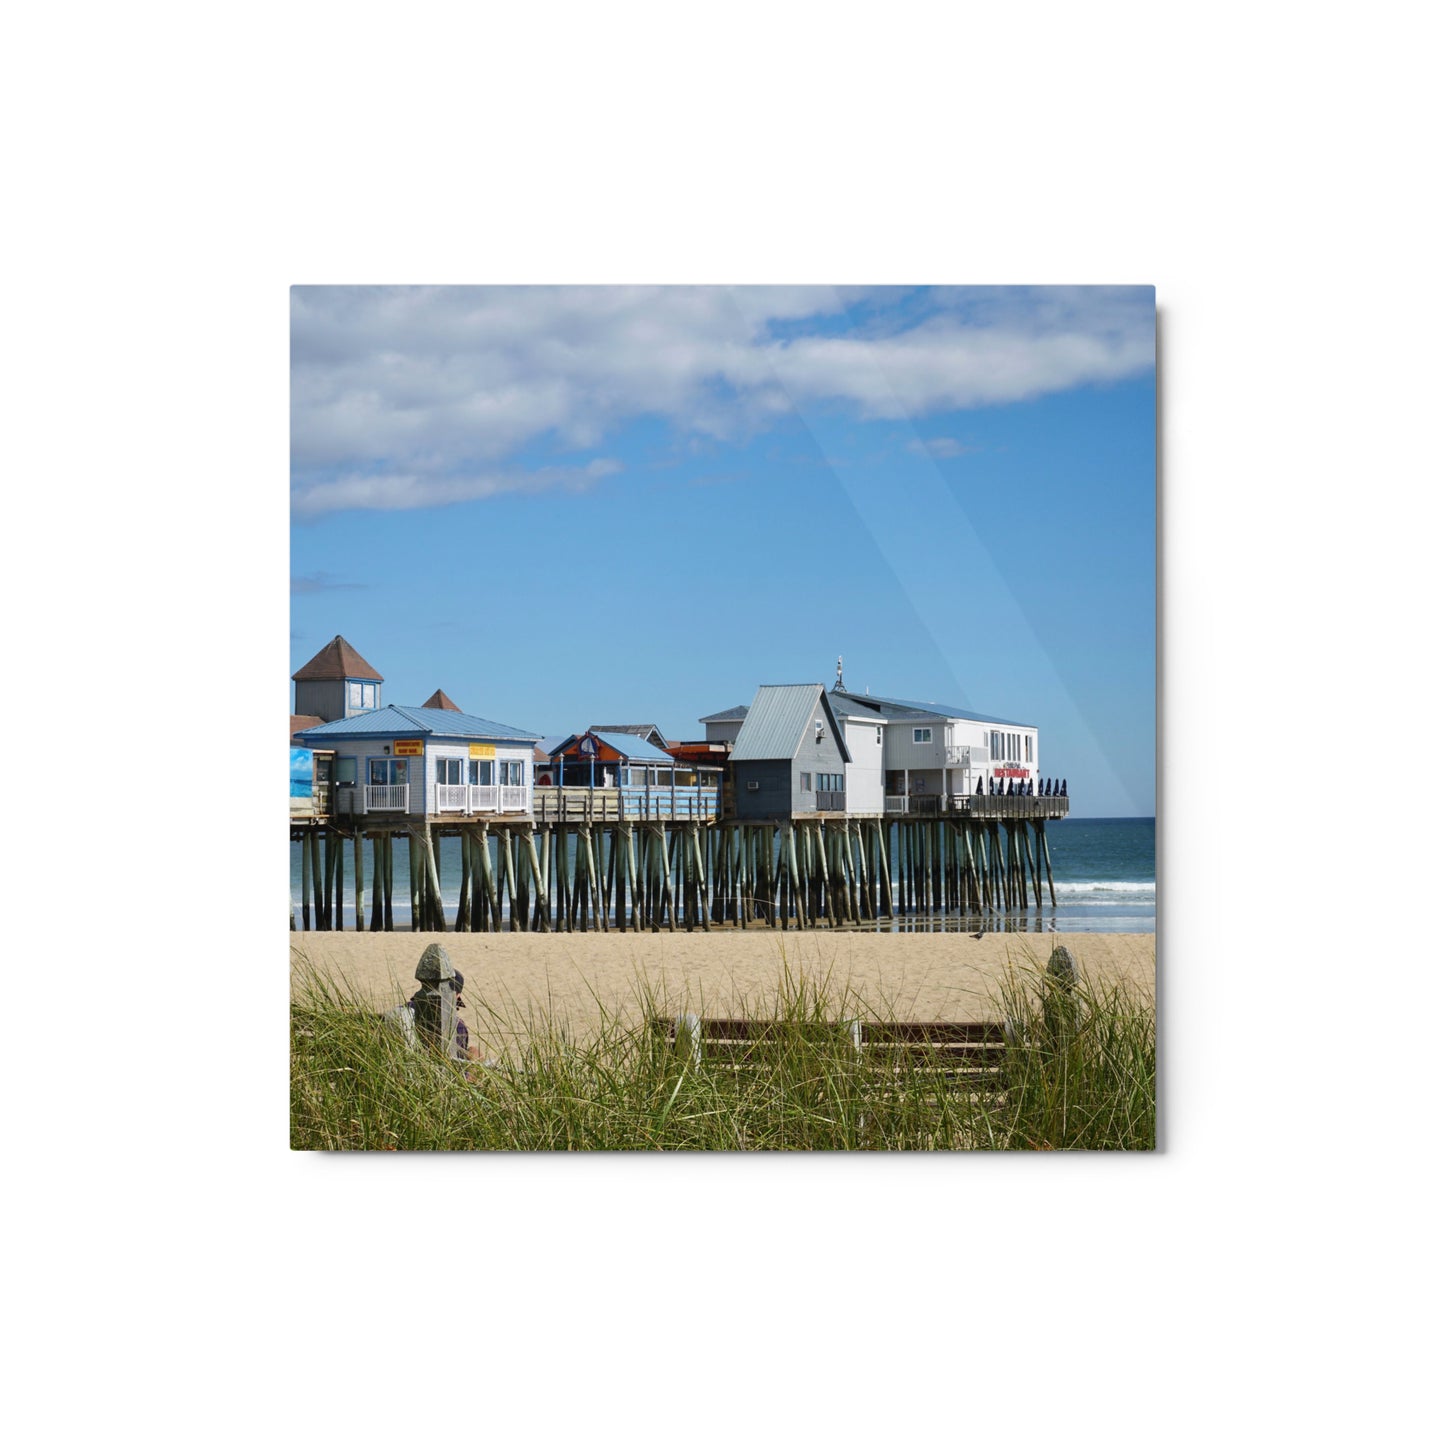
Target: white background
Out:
[174,1272]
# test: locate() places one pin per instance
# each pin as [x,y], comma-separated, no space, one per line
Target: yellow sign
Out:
[483,750]
[408,748]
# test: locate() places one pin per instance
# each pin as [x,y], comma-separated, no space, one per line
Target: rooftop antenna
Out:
[838,686]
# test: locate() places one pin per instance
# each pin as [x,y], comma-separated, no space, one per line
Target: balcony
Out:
[488,798]
[385,797]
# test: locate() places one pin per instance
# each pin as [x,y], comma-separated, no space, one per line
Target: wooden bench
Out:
[962,1052]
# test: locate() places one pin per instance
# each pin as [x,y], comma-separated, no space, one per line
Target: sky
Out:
[576,505]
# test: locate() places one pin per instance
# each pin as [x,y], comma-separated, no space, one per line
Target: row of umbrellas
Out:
[1048,788]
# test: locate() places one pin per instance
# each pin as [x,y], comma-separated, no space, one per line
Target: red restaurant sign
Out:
[1010,772]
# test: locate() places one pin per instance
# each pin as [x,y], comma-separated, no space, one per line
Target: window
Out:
[385,772]
[923,735]
[830,782]
[361,695]
[479,772]
[878,736]
[805,782]
[449,770]
[511,773]
[346,770]
[995,746]
[1028,747]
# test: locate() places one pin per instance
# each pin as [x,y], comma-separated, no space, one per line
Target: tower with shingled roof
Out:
[337,683]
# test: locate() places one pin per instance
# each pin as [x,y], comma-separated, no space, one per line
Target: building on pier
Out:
[724,726]
[791,756]
[799,750]
[599,774]
[936,754]
[413,762]
[337,683]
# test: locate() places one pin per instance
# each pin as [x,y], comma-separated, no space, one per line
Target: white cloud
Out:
[416,396]
[940,448]
[398,491]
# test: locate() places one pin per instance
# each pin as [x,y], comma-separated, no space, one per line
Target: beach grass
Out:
[1077,1072]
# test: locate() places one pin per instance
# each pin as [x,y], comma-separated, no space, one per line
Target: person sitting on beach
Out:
[464,1036]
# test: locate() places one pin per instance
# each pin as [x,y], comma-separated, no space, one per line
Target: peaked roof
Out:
[394,721]
[338,661]
[779,719]
[440,699]
[897,707]
[632,747]
[640,730]
[728,714]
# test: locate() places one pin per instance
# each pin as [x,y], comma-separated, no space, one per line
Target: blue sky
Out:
[608,504]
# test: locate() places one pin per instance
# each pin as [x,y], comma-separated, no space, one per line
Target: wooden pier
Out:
[558,871]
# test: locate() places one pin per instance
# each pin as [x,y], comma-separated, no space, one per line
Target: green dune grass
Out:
[1078,1072]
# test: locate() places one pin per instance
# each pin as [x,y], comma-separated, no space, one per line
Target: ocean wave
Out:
[1104,885]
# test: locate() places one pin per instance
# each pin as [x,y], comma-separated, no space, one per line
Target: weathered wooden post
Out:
[356,876]
[1061,1006]
[306,881]
[435,1003]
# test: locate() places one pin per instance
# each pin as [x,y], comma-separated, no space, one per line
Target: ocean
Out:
[1103,883]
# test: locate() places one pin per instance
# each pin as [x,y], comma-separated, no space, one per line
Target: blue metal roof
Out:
[934,709]
[634,748]
[434,722]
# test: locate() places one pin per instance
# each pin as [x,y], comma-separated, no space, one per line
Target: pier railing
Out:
[551,805]
[973,805]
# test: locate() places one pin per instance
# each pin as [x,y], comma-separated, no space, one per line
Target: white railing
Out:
[481,797]
[387,797]
[514,800]
[895,805]
[956,757]
[451,797]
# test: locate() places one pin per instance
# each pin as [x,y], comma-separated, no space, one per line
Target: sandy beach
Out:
[569,976]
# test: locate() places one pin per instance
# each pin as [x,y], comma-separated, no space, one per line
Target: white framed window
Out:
[1028,747]
[878,736]
[923,735]
[805,782]
[386,772]
[479,772]
[449,770]
[511,772]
